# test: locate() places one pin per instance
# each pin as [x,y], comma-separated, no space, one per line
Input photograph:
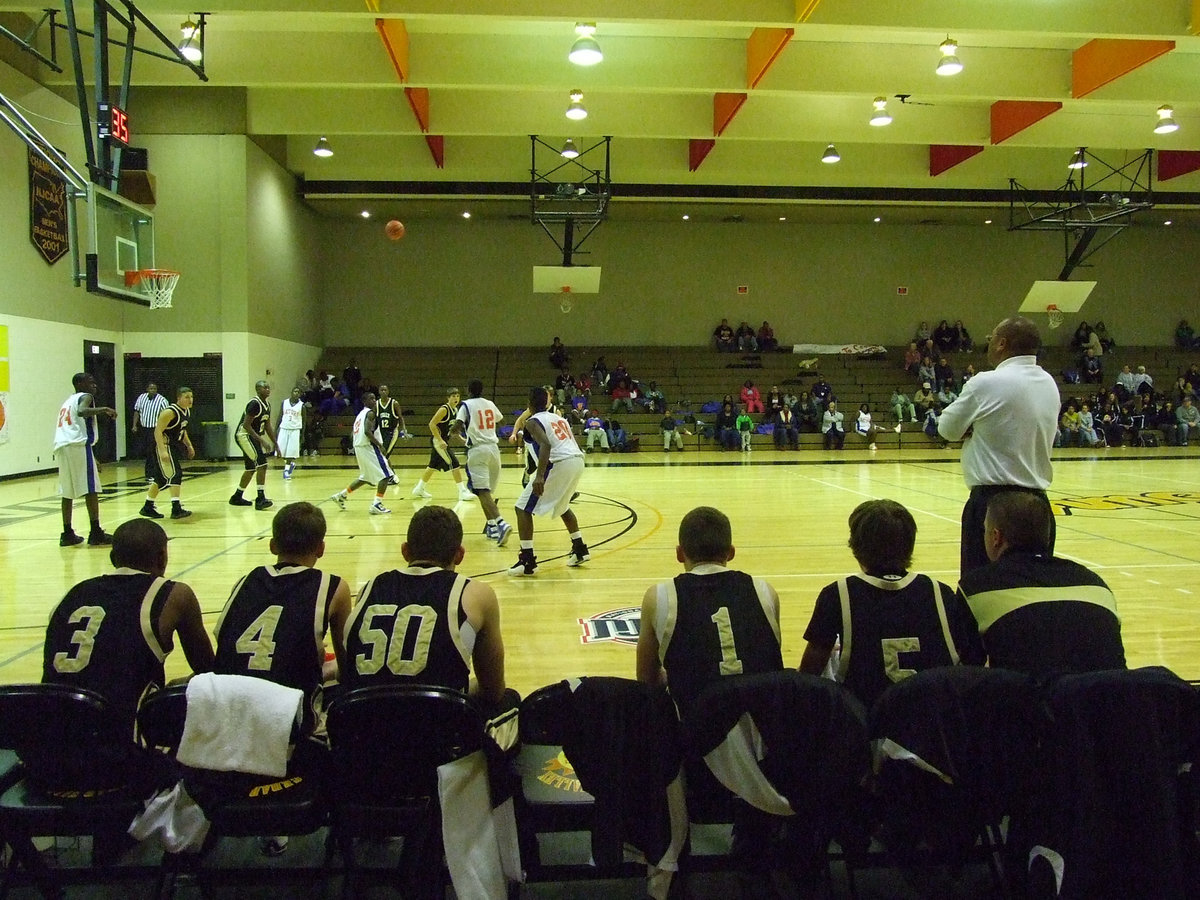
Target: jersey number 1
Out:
[730,664]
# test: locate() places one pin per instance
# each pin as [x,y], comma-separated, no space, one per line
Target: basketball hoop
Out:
[1055,314]
[157,284]
[565,303]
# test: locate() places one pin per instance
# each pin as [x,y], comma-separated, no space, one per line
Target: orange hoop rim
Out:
[133,276]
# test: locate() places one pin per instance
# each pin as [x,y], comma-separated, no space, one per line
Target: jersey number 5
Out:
[405,649]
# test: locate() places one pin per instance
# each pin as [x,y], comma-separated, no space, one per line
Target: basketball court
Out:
[1129,514]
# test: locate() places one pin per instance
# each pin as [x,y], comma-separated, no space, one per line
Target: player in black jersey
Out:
[389,418]
[163,466]
[274,623]
[426,624]
[441,456]
[110,634]
[256,437]
[709,622]
[891,623]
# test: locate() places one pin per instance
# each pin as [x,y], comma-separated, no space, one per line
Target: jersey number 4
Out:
[404,647]
[258,639]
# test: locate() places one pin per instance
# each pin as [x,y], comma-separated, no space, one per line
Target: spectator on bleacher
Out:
[600,374]
[925,399]
[559,357]
[943,374]
[594,426]
[577,415]
[745,428]
[1183,388]
[564,387]
[887,605]
[926,371]
[352,379]
[751,398]
[945,395]
[1091,367]
[945,338]
[746,340]
[1125,386]
[785,431]
[672,432]
[965,344]
[1093,344]
[922,334]
[724,337]
[325,381]
[899,402]
[1144,382]
[766,338]
[1079,340]
[622,394]
[822,392]
[930,425]
[790,400]
[1185,336]
[1187,418]
[832,421]
[967,375]
[912,358]
[1100,330]
[1069,427]
[864,426]
[775,401]
[656,400]
[334,404]
[725,427]
[1087,427]
[1121,427]
[807,410]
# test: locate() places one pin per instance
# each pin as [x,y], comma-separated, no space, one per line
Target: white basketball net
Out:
[1055,314]
[158,285]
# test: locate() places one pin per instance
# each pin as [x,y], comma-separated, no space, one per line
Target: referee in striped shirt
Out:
[147,408]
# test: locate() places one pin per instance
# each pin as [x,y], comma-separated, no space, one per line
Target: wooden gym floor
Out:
[1133,515]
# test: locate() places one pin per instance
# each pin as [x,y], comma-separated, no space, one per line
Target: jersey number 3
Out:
[84,640]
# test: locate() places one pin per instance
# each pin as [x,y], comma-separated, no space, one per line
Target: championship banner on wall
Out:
[47,210]
[3,384]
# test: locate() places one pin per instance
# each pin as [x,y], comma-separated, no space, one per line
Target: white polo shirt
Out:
[1013,411]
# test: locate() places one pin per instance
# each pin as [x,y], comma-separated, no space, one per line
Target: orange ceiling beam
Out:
[725,107]
[1012,116]
[395,41]
[805,8]
[1173,163]
[698,149]
[947,156]
[437,147]
[418,99]
[762,49]
[1100,61]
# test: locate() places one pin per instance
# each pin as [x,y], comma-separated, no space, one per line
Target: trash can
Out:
[216,440]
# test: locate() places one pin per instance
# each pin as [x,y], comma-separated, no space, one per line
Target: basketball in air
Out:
[394,229]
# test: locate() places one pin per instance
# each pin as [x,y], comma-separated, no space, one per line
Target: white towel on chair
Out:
[236,723]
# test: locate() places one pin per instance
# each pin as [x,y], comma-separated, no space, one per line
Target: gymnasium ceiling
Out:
[496,71]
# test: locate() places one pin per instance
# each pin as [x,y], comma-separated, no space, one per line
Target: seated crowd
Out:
[745,338]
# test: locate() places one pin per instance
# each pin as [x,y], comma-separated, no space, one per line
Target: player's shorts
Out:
[387,438]
[483,467]
[562,478]
[78,475]
[289,443]
[252,452]
[438,462]
[171,473]
[372,465]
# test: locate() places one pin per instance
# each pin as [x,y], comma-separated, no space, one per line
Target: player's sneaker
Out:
[526,564]
[489,531]
[69,539]
[238,500]
[178,512]
[262,503]
[421,491]
[149,511]
[99,538]
[897,428]
[578,555]
[287,471]
[501,533]
[465,493]
[378,509]
[340,499]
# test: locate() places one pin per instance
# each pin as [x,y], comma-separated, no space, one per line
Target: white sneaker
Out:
[872,447]
[378,509]
[897,428]
[421,491]
[465,494]
[503,530]
[340,499]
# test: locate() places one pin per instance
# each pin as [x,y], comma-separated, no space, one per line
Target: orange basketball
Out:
[394,229]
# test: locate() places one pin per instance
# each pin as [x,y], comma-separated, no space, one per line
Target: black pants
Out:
[974,551]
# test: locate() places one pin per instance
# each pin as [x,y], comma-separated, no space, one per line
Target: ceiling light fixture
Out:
[569,150]
[880,116]
[366,214]
[466,214]
[830,155]
[878,219]
[1078,159]
[192,45]
[1167,222]
[576,110]
[949,64]
[585,51]
[1166,121]
[323,149]
[686,217]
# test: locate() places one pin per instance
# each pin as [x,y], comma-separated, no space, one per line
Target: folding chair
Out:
[237,805]
[77,775]
[388,743]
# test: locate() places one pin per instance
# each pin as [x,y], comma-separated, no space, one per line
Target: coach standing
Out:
[1009,416]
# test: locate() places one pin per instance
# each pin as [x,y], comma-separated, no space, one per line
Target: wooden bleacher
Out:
[688,376]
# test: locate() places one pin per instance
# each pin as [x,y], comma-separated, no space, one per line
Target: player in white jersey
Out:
[549,492]
[78,474]
[373,466]
[291,426]
[478,417]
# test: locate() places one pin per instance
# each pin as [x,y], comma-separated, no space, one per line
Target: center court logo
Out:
[620,626]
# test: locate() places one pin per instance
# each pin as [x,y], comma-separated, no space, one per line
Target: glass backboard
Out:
[120,240]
